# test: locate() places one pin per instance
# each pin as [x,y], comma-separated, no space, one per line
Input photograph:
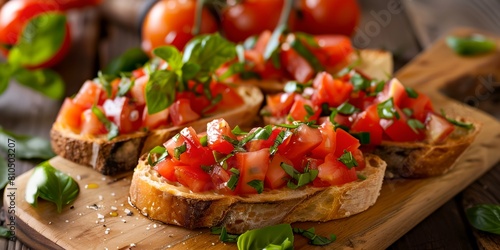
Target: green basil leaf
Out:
[257,185]
[4,170]
[315,239]
[189,71]
[105,81]
[294,86]
[257,134]
[44,81]
[348,159]
[457,123]
[41,39]
[308,39]
[379,86]
[237,131]
[470,46]
[6,72]
[303,51]
[286,244]
[126,62]
[125,85]
[263,237]
[359,82]
[363,137]
[180,150]
[204,141]
[282,136]
[411,92]
[386,109]
[160,90]
[298,179]
[361,177]
[209,51]
[52,185]
[112,128]
[485,217]
[27,147]
[5,232]
[347,109]
[171,55]
[225,237]
[408,112]
[162,151]
[234,68]
[415,125]
[233,180]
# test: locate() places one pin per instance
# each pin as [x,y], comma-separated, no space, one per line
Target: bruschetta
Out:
[270,175]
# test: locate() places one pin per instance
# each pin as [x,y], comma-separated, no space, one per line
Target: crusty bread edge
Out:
[122,153]
[172,203]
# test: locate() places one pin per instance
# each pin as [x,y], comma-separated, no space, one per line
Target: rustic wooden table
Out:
[404,27]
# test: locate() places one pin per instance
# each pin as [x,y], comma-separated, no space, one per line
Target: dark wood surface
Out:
[97,38]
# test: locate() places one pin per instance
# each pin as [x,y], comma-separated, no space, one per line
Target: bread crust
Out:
[171,203]
[122,153]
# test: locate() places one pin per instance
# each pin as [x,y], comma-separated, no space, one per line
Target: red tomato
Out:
[14,16]
[217,132]
[369,121]
[74,4]
[156,120]
[198,101]
[358,156]
[345,141]
[124,113]
[296,65]
[398,129]
[170,22]
[251,17]
[194,154]
[280,104]
[138,91]
[300,112]
[328,144]
[194,178]
[276,177]
[114,90]
[420,106]
[394,89]
[328,16]
[334,51]
[230,98]
[89,94]
[438,128]
[335,172]
[252,166]
[181,113]
[302,141]
[70,115]
[258,144]
[329,90]
[166,168]
[91,124]
[220,177]
[360,100]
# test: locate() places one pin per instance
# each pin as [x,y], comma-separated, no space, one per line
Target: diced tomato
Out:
[276,176]
[334,51]
[124,113]
[220,177]
[181,113]
[166,168]
[230,98]
[296,65]
[186,148]
[304,110]
[194,178]
[328,144]
[313,164]
[395,89]
[252,166]
[280,104]
[70,115]
[360,100]
[91,124]
[198,102]
[329,90]
[138,91]
[114,89]
[360,159]
[369,121]
[258,144]
[398,130]
[438,128]
[335,172]
[301,142]
[345,141]
[420,106]
[217,132]
[156,120]
[88,95]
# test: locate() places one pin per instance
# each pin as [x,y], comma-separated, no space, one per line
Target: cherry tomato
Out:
[251,17]
[328,16]
[170,22]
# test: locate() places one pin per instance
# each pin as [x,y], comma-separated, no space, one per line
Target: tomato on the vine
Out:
[328,16]
[170,22]
[251,17]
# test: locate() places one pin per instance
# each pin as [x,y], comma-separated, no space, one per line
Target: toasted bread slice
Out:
[174,204]
[376,64]
[122,153]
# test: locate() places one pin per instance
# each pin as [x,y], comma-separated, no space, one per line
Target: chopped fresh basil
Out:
[282,136]
[110,126]
[179,150]
[363,137]
[233,180]
[261,238]
[485,217]
[347,109]
[226,237]
[234,68]
[299,179]
[237,131]
[125,85]
[257,185]
[258,134]
[294,86]
[52,185]
[361,177]
[204,140]
[379,86]
[305,53]
[333,113]
[359,82]
[308,39]
[27,147]
[457,123]
[315,239]
[231,140]
[105,81]
[411,92]
[310,111]
[470,46]
[415,125]
[408,112]
[348,159]
[162,151]
[386,109]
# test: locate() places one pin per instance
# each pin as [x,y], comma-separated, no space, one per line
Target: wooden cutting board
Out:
[402,203]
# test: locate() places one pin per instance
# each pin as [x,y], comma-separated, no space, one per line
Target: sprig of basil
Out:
[485,217]
[315,239]
[52,185]
[27,147]
[471,45]
[263,237]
